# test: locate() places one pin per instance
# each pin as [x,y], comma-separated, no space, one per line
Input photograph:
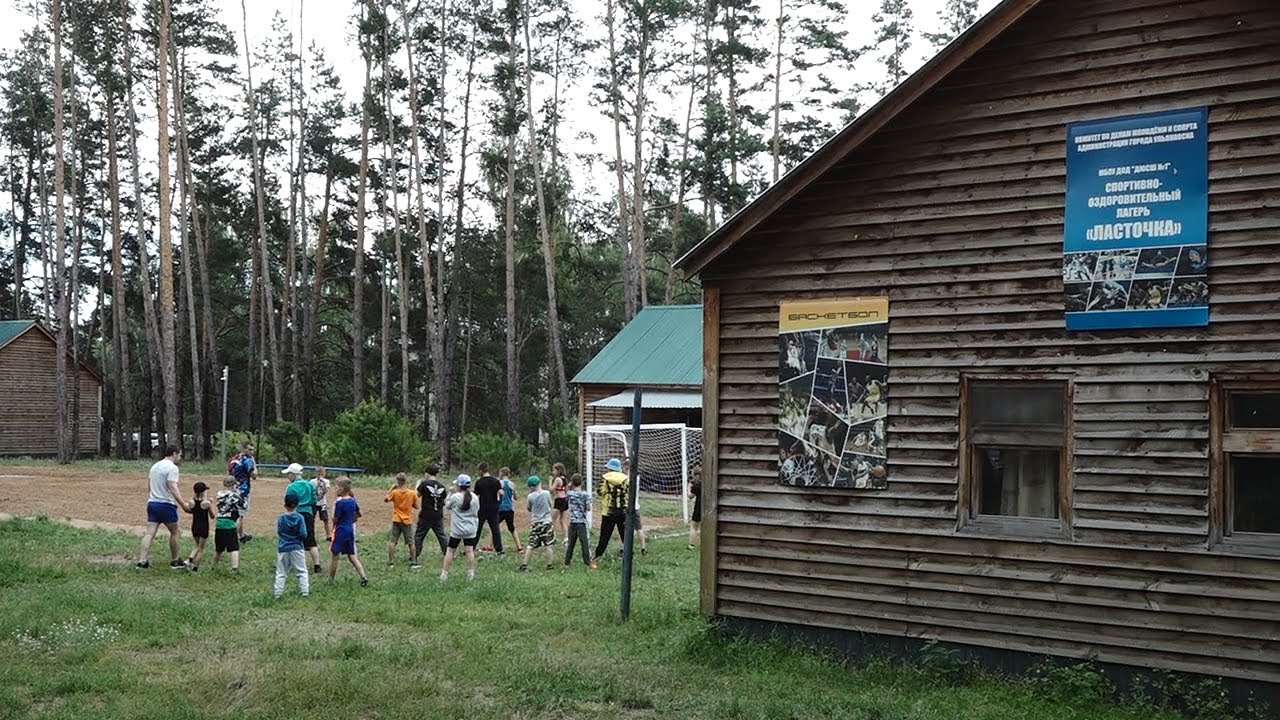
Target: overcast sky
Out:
[328,23]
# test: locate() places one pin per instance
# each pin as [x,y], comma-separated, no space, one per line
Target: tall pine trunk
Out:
[682,188]
[272,350]
[435,334]
[556,349]
[123,384]
[629,293]
[777,91]
[639,261]
[513,370]
[169,354]
[190,226]
[357,278]
[313,312]
[445,382]
[66,443]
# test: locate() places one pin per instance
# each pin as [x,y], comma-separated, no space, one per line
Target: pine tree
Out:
[954,18]
[893,39]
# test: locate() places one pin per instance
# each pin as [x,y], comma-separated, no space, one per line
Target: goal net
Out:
[669,453]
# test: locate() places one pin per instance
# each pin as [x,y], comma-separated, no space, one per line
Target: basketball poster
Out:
[833,388]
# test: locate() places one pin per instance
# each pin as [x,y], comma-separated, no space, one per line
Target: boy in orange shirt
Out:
[404,500]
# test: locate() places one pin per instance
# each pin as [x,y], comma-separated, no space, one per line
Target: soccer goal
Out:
[669,453]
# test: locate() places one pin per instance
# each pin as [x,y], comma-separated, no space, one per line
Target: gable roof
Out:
[977,37]
[662,345]
[11,330]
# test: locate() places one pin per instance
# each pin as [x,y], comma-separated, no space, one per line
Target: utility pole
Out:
[224,411]
[633,490]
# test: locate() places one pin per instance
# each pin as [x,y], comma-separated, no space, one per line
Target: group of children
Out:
[564,507]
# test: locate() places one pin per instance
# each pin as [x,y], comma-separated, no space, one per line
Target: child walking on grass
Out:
[201,510]
[226,534]
[464,524]
[291,531]
[579,505]
[541,534]
[345,513]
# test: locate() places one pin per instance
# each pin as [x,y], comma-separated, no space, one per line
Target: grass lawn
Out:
[85,635]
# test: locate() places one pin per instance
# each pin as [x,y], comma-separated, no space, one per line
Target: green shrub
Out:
[264,450]
[288,440]
[495,449]
[372,437]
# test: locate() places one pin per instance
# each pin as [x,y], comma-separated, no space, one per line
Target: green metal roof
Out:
[10,329]
[662,345]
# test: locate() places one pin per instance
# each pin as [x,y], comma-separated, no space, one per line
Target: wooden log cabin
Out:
[1109,490]
[28,399]
[658,351]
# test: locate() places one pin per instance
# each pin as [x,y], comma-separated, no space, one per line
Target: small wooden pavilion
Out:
[28,399]
[999,365]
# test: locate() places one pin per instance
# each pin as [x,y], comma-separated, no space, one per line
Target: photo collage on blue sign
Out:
[1136,222]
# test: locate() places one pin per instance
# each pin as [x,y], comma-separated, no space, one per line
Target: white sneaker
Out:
[443,576]
[470,575]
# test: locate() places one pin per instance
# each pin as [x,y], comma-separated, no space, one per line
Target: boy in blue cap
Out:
[615,489]
[291,530]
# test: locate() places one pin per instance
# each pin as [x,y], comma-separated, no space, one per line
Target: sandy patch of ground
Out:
[93,498]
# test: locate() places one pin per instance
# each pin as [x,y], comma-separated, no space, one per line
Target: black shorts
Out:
[310,540]
[469,542]
[226,540]
[200,533]
[508,517]
[561,504]
[323,512]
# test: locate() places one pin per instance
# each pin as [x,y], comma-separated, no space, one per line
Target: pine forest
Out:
[509,184]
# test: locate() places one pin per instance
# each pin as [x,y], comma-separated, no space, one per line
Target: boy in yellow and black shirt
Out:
[614,491]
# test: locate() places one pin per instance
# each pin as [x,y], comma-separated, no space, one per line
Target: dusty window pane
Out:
[1257,493]
[1255,410]
[1021,483]
[1039,404]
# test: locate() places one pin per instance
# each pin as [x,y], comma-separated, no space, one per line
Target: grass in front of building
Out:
[85,634]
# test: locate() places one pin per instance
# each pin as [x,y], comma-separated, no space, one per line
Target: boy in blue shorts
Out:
[345,514]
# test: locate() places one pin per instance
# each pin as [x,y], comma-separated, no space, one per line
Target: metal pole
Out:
[224,413]
[633,489]
[684,473]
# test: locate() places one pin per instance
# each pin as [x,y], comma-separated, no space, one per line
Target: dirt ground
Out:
[90,497]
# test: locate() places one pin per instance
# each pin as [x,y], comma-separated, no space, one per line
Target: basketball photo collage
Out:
[833,390]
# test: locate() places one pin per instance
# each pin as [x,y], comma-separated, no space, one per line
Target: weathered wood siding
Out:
[28,401]
[955,209]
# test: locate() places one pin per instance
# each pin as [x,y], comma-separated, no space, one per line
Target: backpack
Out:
[233,462]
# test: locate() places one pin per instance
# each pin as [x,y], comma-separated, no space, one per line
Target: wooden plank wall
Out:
[955,210]
[28,406]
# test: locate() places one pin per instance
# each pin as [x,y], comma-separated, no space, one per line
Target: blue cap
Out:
[614,464]
[291,500]
[463,481]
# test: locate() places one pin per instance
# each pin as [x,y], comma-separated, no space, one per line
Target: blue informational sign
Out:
[1136,224]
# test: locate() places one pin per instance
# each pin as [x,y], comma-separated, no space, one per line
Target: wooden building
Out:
[660,350]
[28,399]
[1148,457]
